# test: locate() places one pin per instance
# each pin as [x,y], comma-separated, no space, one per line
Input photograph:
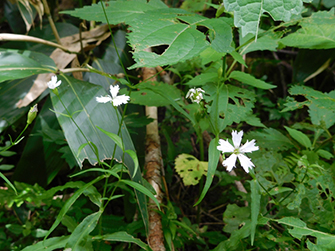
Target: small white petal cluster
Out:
[237,151]
[53,83]
[116,100]
[195,94]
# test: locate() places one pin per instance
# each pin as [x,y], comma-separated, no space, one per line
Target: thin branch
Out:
[25,38]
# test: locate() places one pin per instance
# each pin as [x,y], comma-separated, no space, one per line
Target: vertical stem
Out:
[52,24]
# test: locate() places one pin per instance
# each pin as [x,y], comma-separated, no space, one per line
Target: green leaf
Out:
[114,137]
[69,203]
[85,227]
[316,32]
[112,172]
[142,189]
[80,96]
[265,41]
[247,14]
[299,136]
[169,28]
[321,105]
[203,78]
[213,159]
[250,80]
[271,139]
[49,244]
[133,155]
[324,240]
[325,154]
[8,182]
[255,207]
[21,64]
[190,168]
[123,237]
[147,94]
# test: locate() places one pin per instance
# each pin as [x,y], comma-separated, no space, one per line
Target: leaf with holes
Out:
[247,14]
[190,168]
[317,32]
[156,26]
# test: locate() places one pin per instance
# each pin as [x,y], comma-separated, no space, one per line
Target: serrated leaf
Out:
[21,64]
[247,14]
[154,24]
[299,136]
[324,240]
[321,105]
[316,32]
[239,107]
[250,80]
[190,168]
[271,139]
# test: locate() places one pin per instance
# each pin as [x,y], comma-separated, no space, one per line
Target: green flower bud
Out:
[32,114]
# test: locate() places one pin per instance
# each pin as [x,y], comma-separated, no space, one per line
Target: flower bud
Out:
[32,114]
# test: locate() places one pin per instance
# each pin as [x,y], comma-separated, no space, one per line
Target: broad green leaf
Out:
[123,237]
[247,14]
[239,108]
[147,95]
[117,12]
[265,41]
[172,28]
[324,240]
[321,105]
[69,203]
[50,244]
[82,231]
[202,79]
[300,137]
[316,32]
[161,92]
[255,207]
[21,64]
[234,216]
[250,80]
[271,139]
[190,168]
[142,189]
[213,159]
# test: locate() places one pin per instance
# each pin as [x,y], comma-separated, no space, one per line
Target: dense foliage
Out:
[73,124]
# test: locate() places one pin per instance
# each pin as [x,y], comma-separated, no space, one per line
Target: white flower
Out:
[237,151]
[117,100]
[195,94]
[52,84]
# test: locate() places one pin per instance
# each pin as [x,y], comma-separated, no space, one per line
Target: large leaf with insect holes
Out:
[16,64]
[321,105]
[247,14]
[190,168]
[153,25]
[316,32]
[78,99]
